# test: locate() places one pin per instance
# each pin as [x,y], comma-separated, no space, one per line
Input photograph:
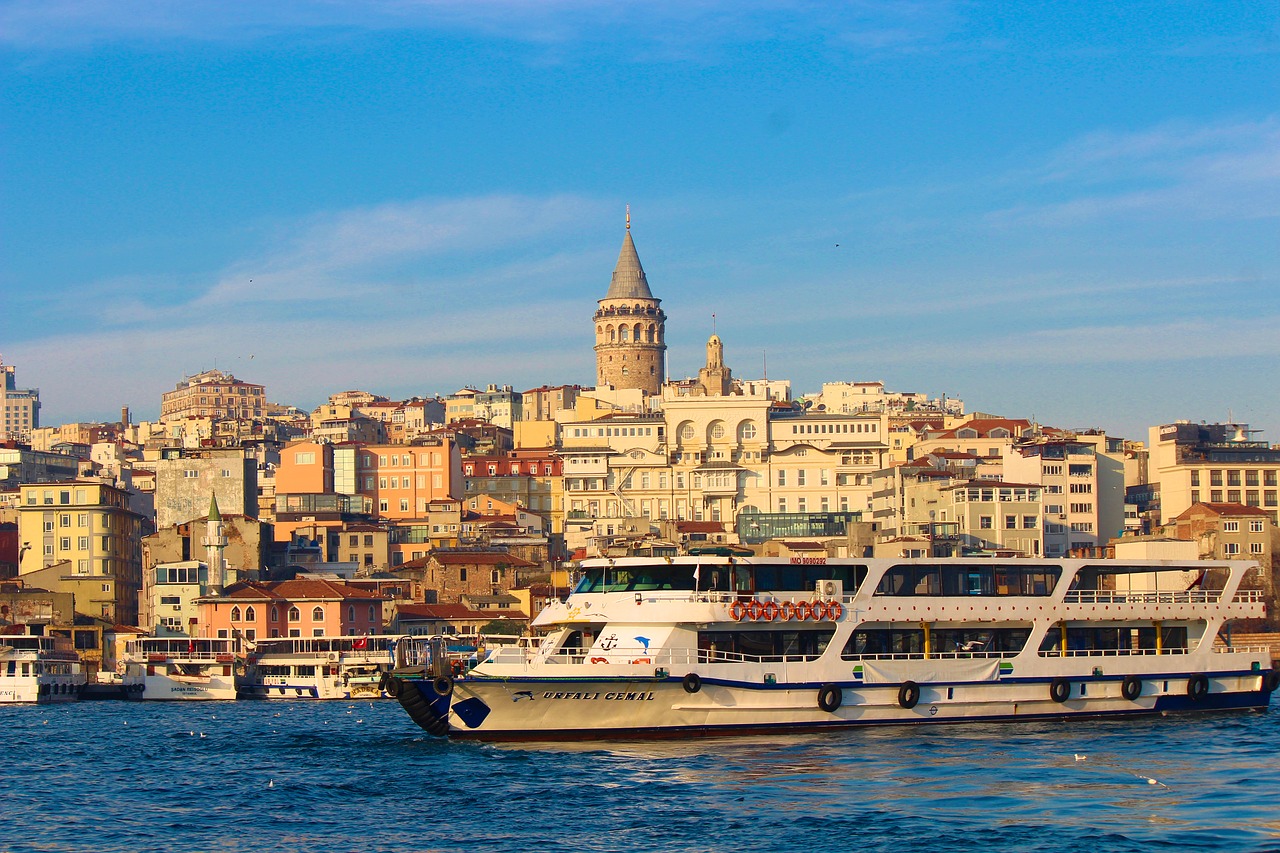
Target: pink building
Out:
[293,608]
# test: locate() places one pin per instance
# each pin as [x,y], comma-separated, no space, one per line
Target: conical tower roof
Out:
[628,281]
[214,515]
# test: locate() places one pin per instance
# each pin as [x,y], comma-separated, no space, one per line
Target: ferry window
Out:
[977,579]
[869,642]
[763,645]
[979,641]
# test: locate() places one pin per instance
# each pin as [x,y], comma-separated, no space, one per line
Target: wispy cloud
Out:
[1224,170]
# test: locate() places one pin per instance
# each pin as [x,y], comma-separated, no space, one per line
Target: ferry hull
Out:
[44,691]
[193,689]
[586,709]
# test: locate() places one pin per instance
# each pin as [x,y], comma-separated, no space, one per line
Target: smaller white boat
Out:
[181,668]
[39,669]
[340,667]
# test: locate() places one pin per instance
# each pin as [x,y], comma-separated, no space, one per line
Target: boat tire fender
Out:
[1060,690]
[829,697]
[692,683]
[394,687]
[442,685]
[1198,686]
[1131,687]
[908,694]
[43,690]
[1271,681]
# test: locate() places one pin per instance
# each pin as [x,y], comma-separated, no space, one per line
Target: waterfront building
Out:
[86,529]
[19,407]
[1211,463]
[451,574]
[630,327]
[545,402]
[851,397]
[302,607]
[530,478]
[212,394]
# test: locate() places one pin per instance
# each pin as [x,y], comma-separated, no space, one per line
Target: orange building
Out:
[303,607]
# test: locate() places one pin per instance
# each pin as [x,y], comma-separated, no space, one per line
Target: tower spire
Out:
[628,217]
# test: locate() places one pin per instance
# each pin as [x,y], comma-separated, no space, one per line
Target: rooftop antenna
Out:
[713,324]
[765,357]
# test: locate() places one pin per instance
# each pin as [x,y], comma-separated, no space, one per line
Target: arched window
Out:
[295,615]
[609,331]
[624,334]
[746,431]
[275,613]
[650,334]
[351,613]
[250,615]
[716,430]
[496,577]
[235,614]
[317,615]
[373,613]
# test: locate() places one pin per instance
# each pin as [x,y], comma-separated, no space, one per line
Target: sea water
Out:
[360,776]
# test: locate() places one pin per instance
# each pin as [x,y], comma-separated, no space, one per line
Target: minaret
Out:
[630,327]
[215,541]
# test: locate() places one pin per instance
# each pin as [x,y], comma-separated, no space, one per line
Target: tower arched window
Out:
[650,334]
[317,614]
[624,334]
[610,333]
[637,332]
[250,615]
[235,614]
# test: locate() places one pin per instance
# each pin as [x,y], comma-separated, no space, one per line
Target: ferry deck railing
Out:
[1190,596]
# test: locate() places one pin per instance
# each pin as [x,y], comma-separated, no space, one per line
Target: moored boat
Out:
[181,668]
[340,667]
[39,669]
[646,647]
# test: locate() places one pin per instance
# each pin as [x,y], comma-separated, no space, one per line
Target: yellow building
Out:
[87,526]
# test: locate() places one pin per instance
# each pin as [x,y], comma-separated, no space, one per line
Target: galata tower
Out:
[631,341]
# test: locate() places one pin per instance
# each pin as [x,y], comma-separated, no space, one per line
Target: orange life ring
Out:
[834,611]
[737,610]
[642,660]
[769,611]
[787,611]
[599,660]
[804,610]
[754,609]
[820,613]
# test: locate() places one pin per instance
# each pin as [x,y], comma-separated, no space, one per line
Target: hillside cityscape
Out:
[234,516]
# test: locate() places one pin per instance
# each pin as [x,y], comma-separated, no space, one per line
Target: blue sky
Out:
[1070,211]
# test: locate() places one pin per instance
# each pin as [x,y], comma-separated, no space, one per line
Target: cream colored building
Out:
[1212,463]
[87,527]
[19,407]
[212,394]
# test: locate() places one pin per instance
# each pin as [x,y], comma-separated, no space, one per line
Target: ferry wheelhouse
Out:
[348,667]
[181,668]
[40,669]
[653,647]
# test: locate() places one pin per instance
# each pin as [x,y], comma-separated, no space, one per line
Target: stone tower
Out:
[715,380]
[631,341]
[215,543]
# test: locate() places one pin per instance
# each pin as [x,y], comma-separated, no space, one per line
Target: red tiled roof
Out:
[1223,509]
[300,590]
[454,611]
[700,526]
[479,558]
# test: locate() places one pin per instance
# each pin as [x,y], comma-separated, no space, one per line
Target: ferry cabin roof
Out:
[897,577]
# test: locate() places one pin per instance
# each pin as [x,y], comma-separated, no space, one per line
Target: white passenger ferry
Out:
[686,646]
[181,668]
[39,669]
[347,667]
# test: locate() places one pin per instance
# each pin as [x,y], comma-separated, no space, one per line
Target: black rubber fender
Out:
[442,685]
[1131,687]
[829,697]
[394,687]
[1060,690]
[419,710]
[1197,687]
[1271,681]
[692,683]
[908,694]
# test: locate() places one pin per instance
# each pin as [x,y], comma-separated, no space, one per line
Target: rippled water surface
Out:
[337,776]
